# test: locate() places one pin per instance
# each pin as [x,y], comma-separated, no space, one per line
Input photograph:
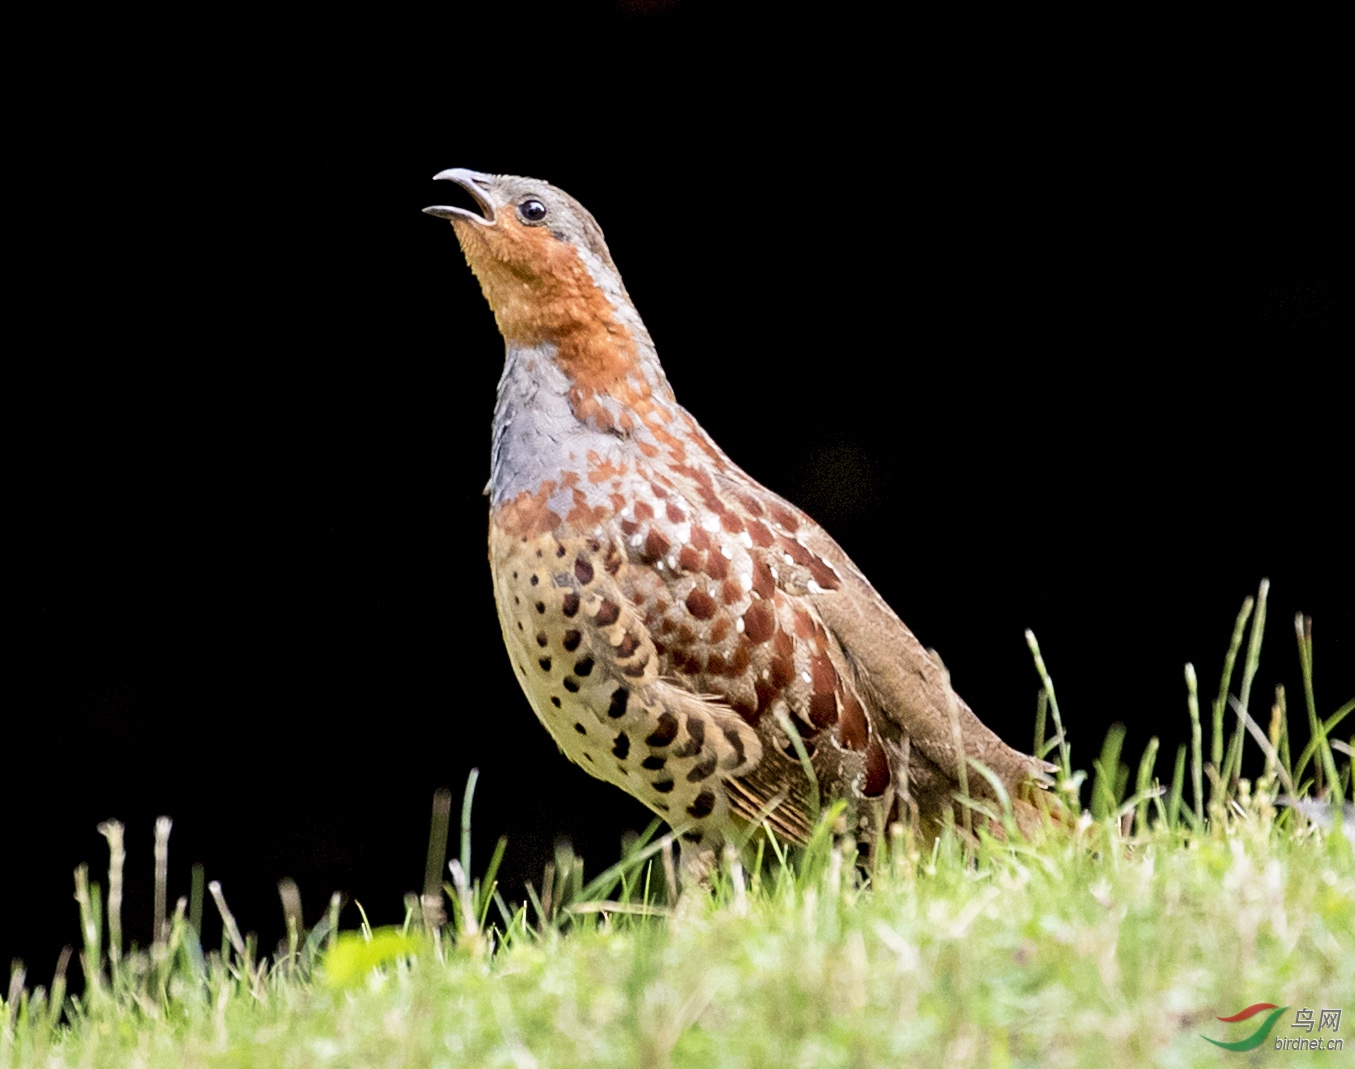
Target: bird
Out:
[682,631]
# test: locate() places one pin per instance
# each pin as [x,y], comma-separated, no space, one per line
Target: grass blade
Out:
[1226,681]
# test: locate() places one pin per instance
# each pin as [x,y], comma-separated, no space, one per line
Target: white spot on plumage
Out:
[787,558]
[805,677]
[726,552]
[738,625]
[814,587]
[711,523]
[636,541]
[746,539]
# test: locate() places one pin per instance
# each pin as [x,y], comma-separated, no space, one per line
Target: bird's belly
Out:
[594,714]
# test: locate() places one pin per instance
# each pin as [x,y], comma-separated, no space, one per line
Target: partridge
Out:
[674,624]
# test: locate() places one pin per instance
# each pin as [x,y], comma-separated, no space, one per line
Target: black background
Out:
[1044,323]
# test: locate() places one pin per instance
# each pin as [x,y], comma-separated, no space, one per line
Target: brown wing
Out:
[745,598]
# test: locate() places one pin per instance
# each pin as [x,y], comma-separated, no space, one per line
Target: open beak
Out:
[474,183]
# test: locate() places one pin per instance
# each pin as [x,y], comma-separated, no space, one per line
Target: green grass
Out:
[1114,943]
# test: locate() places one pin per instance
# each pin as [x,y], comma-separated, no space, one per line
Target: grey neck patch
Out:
[537,436]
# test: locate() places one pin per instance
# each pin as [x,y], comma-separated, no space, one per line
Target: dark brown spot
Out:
[555,702]
[852,729]
[824,575]
[719,629]
[730,592]
[515,575]
[559,551]
[730,522]
[663,786]
[621,745]
[675,514]
[689,559]
[702,770]
[617,709]
[759,534]
[608,613]
[629,527]
[693,836]
[784,517]
[696,736]
[655,547]
[587,757]
[643,511]
[759,622]
[541,639]
[715,663]
[739,664]
[877,770]
[628,645]
[580,728]
[705,802]
[544,662]
[665,732]
[520,625]
[688,664]
[571,685]
[583,667]
[538,552]
[700,539]
[783,671]
[823,710]
[735,740]
[535,580]
[572,640]
[661,806]
[763,583]
[798,553]
[635,671]
[700,604]
[571,604]
[541,606]
[583,571]
[716,565]
[822,673]
[653,763]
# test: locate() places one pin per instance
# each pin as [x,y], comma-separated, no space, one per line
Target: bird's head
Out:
[545,270]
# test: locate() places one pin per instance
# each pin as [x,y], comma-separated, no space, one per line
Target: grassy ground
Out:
[1118,943]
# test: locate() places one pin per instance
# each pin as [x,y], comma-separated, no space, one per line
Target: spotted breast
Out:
[680,630]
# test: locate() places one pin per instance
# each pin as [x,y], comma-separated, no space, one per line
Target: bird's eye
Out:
[532,210]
